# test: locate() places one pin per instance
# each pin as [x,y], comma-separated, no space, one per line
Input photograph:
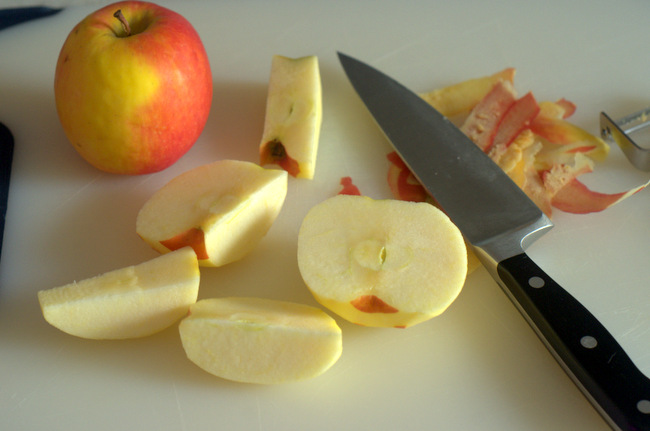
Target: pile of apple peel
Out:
[542,152]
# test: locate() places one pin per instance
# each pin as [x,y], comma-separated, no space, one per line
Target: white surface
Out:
[478,366]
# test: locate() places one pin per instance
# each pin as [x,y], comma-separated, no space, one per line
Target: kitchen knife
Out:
[500,222]
[6,157]
[14,16]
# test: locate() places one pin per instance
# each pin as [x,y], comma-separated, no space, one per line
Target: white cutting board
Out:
[477,366]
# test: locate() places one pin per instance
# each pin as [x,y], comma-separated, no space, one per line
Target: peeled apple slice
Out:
[255,340]
[386,263]
[126,303]
[222,210]
[294,113]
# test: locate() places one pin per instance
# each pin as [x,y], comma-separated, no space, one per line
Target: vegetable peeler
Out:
[620,132]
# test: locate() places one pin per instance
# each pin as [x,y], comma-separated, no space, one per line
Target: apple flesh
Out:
[386,263]
[222,210]
[262,341]
[129,302]
[293,116]
[133,96]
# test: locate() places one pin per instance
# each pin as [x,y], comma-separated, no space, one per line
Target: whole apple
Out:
[133,87]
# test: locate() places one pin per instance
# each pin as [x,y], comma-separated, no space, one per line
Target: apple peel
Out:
[483,122]
[460,99]
[577,198]
[348,187]
[549,154]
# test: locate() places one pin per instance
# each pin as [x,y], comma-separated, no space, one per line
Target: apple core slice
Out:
[386,263]
[222,210]
[129,302]
[255,340]
[293,116]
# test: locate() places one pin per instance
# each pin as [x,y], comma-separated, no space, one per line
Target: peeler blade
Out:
[620,131]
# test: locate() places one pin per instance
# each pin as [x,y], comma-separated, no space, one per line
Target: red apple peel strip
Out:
[549,176]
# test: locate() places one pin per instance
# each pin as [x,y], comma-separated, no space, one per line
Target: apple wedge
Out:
[293,116]
[129,302]
[262,341]
[222,210]
[386,263]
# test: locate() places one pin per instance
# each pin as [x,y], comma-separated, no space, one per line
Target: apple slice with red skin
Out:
[192,237]
[372,304]
[221,209]
[293,116]
[274,153]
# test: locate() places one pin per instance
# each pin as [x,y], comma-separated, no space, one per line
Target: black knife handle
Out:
[589,354]
[6,160]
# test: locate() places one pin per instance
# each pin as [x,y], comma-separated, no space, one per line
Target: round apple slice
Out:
[386,263]
[222,210]
[255,340]
[126,303]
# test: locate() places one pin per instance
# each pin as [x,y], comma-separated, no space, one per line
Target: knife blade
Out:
[500,222]
[6,158]
[14,16]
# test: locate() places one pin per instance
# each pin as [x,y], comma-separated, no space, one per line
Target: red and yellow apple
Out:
[133,87]
[387,263]
[221,209]
[257,340]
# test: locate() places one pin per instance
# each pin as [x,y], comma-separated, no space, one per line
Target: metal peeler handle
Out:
[619,131]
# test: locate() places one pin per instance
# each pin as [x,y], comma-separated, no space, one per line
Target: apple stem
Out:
[125,24]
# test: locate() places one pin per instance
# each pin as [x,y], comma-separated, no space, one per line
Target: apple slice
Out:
[222,210]
[257,340]
[130,302]
[381,262]
[293,116]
